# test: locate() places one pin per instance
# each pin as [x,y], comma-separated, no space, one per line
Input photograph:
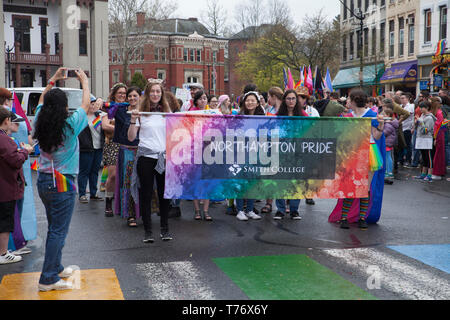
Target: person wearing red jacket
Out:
[12,183]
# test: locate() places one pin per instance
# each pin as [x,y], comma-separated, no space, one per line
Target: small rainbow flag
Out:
[34,166]
[375,158]
[97,121]
[442,44]
[62,183]
[442,126]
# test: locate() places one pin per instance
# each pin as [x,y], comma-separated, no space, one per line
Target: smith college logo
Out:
[235,169]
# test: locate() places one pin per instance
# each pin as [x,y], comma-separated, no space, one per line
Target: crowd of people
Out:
[130,146]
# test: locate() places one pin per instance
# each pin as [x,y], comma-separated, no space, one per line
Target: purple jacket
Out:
[390,131]
[12,182]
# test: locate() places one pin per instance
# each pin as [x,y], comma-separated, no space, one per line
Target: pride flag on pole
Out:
[328,82]
[309,81]
[290,84]
[97,122]
[285,78]
[440,50]
[17,109]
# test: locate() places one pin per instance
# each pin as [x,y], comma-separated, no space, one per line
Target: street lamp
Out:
[8,52]
[361,18]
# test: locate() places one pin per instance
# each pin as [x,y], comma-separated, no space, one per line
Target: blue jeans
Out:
[59,208]
[293,205]
[240,205]
[389,162]
[89,168]
[407,152]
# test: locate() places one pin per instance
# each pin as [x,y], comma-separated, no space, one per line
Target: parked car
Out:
[29,98]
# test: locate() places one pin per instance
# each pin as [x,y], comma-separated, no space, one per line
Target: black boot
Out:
[108,208]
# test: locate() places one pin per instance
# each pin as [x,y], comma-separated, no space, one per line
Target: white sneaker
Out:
[10,258]
[60,285]
[253,215]
[21,251]
[66,273]
[241,216]
[436,177]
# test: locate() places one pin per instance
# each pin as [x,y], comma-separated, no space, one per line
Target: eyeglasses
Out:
[291,99]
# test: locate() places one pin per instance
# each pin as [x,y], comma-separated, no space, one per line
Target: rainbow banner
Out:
[259,157]
[62,183]
[441,46]
[97,121]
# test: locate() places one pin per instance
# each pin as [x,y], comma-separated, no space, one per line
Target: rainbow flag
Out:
[442,44]
[97,121]
[442,126]
[62,183]
[375,158]
[35,166]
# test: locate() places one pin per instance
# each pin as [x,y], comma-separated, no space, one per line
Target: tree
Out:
[214,17]
[138,80]
[127,36]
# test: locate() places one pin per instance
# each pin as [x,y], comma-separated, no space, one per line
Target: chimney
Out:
[140,19]
[193,19]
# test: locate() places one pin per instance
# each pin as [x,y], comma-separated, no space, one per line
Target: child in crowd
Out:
[424,140]
[390,132]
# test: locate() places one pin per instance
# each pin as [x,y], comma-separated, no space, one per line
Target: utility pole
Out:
[361,18]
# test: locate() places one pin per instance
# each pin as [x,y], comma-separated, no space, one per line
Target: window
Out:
[214,56]
[192,80]
[391,38]
[401,37]
[382,36]
[43,24]
[352,46]
[57,43]
[352,8]
[161,74]
[427,26]
[199,55]
[412,32]
[358,44]
[366,42]
[156,54]
[115,76]
[345,9]
[374,41]
[22,27]
[185,54]
[344,48]
[33,100]
[382,3]
[192,55]
[366,3]
[163,54]
[443,23]
[82,35]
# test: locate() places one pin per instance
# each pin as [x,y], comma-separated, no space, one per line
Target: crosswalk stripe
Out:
[396,276]
[175,281]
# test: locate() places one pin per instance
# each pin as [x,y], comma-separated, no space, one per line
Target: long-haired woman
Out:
[225,104]
[150,157]
[251,106]
[111,149]
[290,106]
[124,204]
[439,168]
[57,133]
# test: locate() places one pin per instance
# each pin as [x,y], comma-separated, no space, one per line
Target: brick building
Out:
[177,50]
[44,35]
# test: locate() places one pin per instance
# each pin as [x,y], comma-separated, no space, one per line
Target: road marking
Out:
[288,277]
[93,285]
[175,281]
[396,276]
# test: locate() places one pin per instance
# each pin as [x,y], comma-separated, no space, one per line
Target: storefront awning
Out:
[349,78]
[401,72]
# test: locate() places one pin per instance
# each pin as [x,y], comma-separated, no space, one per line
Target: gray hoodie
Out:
[426,122]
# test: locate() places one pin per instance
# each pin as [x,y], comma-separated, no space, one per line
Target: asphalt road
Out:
[191,266]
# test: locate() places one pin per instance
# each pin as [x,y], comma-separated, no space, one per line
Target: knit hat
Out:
[5,93]
[223,98]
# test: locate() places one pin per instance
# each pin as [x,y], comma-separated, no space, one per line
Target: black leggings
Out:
[427,158]
[147,173]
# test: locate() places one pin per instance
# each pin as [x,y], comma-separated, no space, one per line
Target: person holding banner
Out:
[251,106]
[124,204]
[291,107]
[367,209]
[57,133]
[150,158]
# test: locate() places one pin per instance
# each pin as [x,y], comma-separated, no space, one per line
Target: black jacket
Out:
[85,139]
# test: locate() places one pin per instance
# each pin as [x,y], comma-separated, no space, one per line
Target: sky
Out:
[193,8]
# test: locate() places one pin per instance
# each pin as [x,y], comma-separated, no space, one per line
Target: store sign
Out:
[438,79]
[441,59]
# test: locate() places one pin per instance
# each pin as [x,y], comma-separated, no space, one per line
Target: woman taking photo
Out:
[57,133]
[251,106]
[200,101]
[124,204]
[150,158]
[291,107]
[111,150]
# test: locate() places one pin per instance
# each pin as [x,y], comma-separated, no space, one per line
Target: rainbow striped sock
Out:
[346,207]
[363,207]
